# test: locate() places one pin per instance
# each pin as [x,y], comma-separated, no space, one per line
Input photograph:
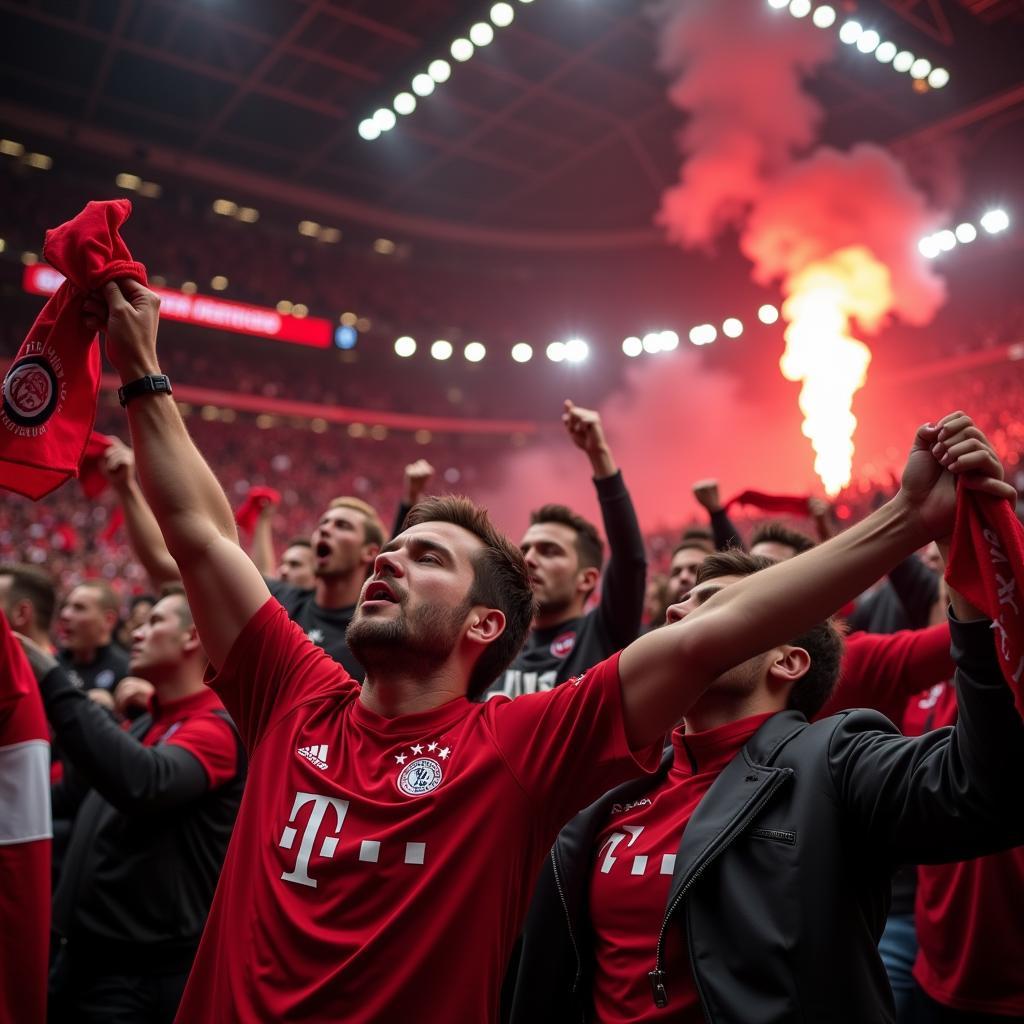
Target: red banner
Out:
[204,311]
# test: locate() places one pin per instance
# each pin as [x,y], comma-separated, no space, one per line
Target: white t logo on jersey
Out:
[300,873]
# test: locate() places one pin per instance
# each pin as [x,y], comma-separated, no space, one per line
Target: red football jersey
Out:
[380,868]
[634,860]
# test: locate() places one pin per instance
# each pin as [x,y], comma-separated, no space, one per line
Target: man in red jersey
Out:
[389,834]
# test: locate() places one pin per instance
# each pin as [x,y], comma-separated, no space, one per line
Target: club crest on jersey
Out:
[562,645]
[30,391]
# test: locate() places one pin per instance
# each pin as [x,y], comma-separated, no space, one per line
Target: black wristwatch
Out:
[151,384]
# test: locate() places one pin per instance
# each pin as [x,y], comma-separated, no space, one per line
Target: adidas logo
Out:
[315,755]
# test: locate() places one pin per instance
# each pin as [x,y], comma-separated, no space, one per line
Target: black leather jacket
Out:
[782,878]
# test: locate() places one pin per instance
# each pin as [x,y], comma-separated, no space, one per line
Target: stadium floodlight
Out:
[441,349]
[966,232]
[423,85]
[404,103]
[632,346]
[481,34]
[405,346]
[945,240]
[732,327]
[576,350]
[800,8]
[938,78]
[995,221]
[502,14]
[778,4]
[368,129]
[474,351]
[768,314]
[921,68]
[556,351]
[850,32]
[703,334]
[669,341]
[903,61]
[521,352]
[461,49]
[384,119]
[885,52]
[928,247]
[824,16]
[652,342]
[439,70]
[868,41]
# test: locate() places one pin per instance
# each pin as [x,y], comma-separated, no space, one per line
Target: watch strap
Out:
[151,384]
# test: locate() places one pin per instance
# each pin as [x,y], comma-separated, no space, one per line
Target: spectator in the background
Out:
[682,570]
[88,653]
[28,599]
[564,555]
[139,608]
[774,540]
[297,566]
[153,811]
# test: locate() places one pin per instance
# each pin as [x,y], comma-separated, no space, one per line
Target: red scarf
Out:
[90,475]
[782,503]
[986,566]
[249,511]
[50,391]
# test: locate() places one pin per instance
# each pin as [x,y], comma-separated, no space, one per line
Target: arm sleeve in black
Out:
[917,587]
[402,511]
[724,532]
[132,777]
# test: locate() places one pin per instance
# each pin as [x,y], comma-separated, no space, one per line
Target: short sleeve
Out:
[271,668]
[567,746]
[211,741]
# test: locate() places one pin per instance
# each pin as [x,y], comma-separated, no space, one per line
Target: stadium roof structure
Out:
[530,144]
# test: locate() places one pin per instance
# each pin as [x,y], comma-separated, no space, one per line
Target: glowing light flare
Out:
[823,355]
[850,32]
[824,16]
[576,350]
[732,327]
[522,352]
[885,52]
[768,314]
[461,49]
[966,232]
[439,70]
[995,221]
[800,8]
[868,41]
[778,4]
[405,346]
[903,61]
[632,346]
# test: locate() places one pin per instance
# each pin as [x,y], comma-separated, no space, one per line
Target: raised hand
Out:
[118,464]
[584,428]
[418,475]
[129,312]
[706,492]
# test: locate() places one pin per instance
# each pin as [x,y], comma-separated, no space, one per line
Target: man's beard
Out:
[418,643]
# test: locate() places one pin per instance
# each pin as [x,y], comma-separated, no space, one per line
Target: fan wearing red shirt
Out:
[390,834]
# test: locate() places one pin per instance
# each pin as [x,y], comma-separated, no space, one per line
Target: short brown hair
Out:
[184,612]
[696,537]
[109,600]
[373,528]
[774,532]
[589,549]
[35,586]
[299,542]
[822,642]
[500,580]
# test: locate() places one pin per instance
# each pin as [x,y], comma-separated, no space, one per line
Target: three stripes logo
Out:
[315,755]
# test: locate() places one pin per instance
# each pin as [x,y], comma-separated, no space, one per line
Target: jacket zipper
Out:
[778,834]
[568,921]
[657,976]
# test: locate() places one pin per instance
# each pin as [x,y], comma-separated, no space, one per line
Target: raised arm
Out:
[664,672]
[224,588]
[143,530]
[722,529]
[263,541]
[417,477]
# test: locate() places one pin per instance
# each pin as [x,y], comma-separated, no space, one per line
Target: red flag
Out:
[249,511]
[114,523]
[782,503]
[90,476]
[49,393]
[986,566]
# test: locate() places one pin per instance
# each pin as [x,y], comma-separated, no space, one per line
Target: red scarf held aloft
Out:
[249,511]
[986,566]
[782,503]
[50,391]
[90,475]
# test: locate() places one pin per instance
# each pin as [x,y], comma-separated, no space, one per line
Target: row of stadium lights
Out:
[867,40]
[438,71]
[993,222]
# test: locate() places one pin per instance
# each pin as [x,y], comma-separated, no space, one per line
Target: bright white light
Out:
[481,33]
[778,4]
[885,52]
[439,70]
[652,342]
[441,349]
[824,16]
[556,351]
[945,240]
[368,129]
[461,49]
[632,346]
[703,334]
[384,119]
[423,85]
[576,350]
[966,232]
[928,247]
[669,341]
[868,41]
[474,351]
[850,32]
[938,78]
[800,8]
[405,346]
[903,61]
[521,352]
[732,328]
[767,314]
[404,103]
[502,14]
[995,221]
[921,68]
